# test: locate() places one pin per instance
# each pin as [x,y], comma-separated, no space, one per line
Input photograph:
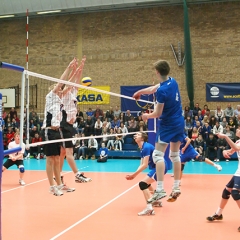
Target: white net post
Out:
[22,108]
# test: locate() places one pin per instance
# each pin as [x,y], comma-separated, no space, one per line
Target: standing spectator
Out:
[36,151]
[229,112]
[103,154]
[211,144]
[117,112]
[196,109]
[219,113]
[92,148]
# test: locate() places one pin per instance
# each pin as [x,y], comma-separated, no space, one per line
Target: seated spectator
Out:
[128,116]
[90,112]
[229,112]
[221,146]
[141,126]
[118,140]
[188,126]
[12,113]
[219,113]
[82,150]
[17,119]
[105,136]
[230,133]
[4,113]
[98,128]
[217,129]
[103,154]
[110,114]
[32,125]
[206,130]
[199,145]
[232,125]
[122,117]
[8,123]
[195,120]
[212,122]
[187,113]
[88,129]
[211,144]
[111,139]
[196,109]
[92,148]
[116,112]
[115,124]
[10,135]
[106,124]
[237,111]
[79,115]
[36,151]
[194,135]
[205,108]
[200,117]
[98,113]
[5,141]
[15,125]
[79,125]
[224,124]
[33,131]
[132,125]
[123,129]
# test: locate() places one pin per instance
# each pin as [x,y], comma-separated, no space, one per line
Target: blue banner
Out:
[223,92]
[127,104]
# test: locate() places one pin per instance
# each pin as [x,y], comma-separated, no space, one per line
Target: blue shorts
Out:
[170,133]
[152,174]
[187,156]
[234,183]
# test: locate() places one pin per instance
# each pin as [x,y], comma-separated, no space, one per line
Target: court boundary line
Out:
[92,213]
[11,189]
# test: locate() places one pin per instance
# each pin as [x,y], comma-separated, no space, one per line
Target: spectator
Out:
[33,131]
[12,113]
[118,140]
[15,125]
[188,126]
[194,135]
[217,129]
[199,145]
[88,129]
[10,135]
[92,148]
[90,112]
[98,113]
[122,117]
[212,122]
[98,128]
[111,139]
[128,116]
[123,129]
[237,111]
[79,115]
[132,125]
[232,125]
[80,125]
[224,124]
[205,120]
[103,154]
[110,114]
[221,146]
[187,112]
[206,130]
[4,113]
[117,112]
[106,124]
[196,109]
[205,108]
[141,127]
[36,151]
[200,117]
[82,150]
[230,133]
[211,144]
[219,113]
[105,136]
[229,112]
[115,124]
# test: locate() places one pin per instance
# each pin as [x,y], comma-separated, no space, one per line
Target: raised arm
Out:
[148,90]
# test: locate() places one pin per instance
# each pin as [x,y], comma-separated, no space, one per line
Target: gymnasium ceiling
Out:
[19,7]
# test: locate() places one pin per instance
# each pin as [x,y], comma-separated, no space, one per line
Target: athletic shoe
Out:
[218,167]
[80,178]
[174,195]
[146,212]
[56,191]
[38,156]
[156,196]
[81,158]
[215,217]
[227,160]
[21,182]
[67,189]
[157,204]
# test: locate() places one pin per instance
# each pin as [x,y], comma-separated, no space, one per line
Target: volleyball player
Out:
[69,113]
[51,125]
[16,158]
[233,187]
[146,161]
[187,152]
[171,128]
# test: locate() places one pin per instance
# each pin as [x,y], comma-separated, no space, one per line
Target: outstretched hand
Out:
[137,95]
[221,135]
[129,177]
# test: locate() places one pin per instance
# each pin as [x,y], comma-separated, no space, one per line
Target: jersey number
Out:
[177,97]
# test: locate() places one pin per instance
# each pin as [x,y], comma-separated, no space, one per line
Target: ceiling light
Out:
[7,16]
[46,12]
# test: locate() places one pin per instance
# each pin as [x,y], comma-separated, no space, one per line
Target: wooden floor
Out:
[107,208]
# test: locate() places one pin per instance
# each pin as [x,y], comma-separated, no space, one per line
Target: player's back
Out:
[147,150]
[168,93]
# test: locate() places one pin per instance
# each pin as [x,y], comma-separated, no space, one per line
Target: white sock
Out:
[149,206]
[219,211]
[78,173]
[159,186]
[176,183]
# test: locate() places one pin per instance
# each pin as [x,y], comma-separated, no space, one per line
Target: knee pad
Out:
[226,194]
[182,167]
[235,194]
[158,156]
[201,158]
[143,185]
[21,168]
[174,156]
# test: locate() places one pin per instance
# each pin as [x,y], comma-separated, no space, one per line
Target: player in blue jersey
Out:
[147,161]
[187,152]
[171,127]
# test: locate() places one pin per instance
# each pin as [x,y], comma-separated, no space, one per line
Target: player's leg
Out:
[175,158]
[182,168]
[208,161]
[21,168]
[7,164]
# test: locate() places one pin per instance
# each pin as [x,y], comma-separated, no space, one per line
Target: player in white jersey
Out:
[233,187]
[16,158]
[69,113]
[51,125]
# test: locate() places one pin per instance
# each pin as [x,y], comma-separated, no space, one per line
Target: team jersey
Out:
[12,145]
[103,151]
[70,104]
[147,150]
[183,143]
[237,173]
[168,93]
[53,110]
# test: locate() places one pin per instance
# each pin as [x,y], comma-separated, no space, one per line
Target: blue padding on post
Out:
[11,67]
[13,150]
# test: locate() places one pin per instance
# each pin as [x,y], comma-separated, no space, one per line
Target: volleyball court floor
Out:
[107,207]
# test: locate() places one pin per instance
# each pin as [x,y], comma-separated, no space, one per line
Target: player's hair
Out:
[144,136]
[162,67]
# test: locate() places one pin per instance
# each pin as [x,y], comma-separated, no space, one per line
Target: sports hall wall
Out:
[121,46]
